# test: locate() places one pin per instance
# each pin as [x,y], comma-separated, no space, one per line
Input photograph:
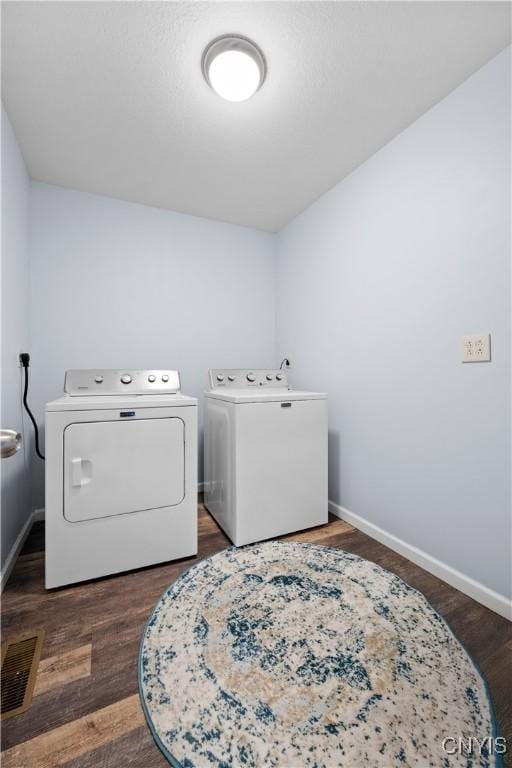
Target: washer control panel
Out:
[123,382]
[240,378]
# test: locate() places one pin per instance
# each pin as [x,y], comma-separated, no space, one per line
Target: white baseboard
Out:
[493,600]
[17,546]
[482,594]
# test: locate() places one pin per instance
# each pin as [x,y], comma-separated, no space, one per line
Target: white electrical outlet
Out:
[476,348]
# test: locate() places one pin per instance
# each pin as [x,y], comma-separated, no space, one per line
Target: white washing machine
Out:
[265,455]
[121,474]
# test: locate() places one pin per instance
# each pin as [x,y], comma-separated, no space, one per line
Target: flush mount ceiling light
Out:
[234,67]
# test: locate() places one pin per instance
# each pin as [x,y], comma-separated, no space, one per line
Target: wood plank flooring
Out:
[86,712]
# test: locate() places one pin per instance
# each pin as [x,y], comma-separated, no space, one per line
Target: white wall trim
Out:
[11,558]
[482,594]
[493,600]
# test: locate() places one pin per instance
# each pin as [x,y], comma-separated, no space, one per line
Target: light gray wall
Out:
[15,332]
[121,285]
[376,283]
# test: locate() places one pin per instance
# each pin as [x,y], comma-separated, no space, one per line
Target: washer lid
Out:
[265,396]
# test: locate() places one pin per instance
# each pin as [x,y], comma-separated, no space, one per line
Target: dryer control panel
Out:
[240,378]
[121,382]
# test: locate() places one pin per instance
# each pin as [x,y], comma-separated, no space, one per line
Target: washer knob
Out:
[251,377]
[231,378]
[126,379]
[165,377]
[269,377]
[98,379]
[220,377]
[279,377]
[151,378]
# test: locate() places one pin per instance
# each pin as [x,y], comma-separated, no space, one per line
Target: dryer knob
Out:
[269,377]
[220,377]
[279,377]
[165,377]
[232,378]
[251,377]
[98,379]
[126,379]
[151,378]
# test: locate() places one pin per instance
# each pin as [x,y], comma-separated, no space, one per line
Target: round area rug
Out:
[286,654]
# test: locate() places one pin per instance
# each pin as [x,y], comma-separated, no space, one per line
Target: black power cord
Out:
[25,361]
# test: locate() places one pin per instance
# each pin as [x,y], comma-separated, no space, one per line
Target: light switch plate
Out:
[476,348]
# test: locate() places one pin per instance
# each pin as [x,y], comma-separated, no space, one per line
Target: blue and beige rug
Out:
[294,655]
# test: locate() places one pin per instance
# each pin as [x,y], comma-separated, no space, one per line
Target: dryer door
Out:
[117,467]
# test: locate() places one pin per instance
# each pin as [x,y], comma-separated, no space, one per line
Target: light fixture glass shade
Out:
[234,67]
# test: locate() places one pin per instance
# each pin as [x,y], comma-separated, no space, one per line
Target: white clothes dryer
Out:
[121,474]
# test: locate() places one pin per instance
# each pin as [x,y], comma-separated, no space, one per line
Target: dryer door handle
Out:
[80,472]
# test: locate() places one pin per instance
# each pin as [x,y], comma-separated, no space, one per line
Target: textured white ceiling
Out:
[109,97]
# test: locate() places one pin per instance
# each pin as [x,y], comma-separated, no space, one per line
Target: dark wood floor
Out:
[86,713]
